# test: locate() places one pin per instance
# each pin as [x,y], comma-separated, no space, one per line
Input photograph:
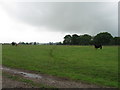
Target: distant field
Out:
[82,63]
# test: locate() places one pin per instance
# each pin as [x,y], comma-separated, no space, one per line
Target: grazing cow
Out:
[98,46]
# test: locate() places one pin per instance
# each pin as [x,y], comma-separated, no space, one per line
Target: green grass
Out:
[75,62]
[20,79]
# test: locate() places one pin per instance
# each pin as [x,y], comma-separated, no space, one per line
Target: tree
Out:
[116,40]
[59,43]
[34,43]
[13,43]
[103,38]
[75,39]
[27,43]
[67,40]
[85,39]
[23,43]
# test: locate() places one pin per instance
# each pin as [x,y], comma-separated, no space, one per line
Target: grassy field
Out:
[82,63]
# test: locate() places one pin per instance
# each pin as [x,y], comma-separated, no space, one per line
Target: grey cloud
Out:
[89,17]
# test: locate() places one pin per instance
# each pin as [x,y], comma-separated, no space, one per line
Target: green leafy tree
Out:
[75,39]
[103,38]
[116,40]
[34,43]
[67,40]
[85,39]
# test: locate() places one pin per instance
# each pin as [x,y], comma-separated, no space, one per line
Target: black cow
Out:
[98,46]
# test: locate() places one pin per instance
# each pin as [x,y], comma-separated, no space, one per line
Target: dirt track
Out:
[9,83]
[42,79]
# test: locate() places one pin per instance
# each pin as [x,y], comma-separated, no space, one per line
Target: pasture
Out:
[80,63]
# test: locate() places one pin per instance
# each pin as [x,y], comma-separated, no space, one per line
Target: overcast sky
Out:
[50,21]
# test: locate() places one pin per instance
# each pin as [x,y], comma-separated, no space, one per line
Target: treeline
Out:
[103,38]
[37,43]
[33,43]
[28,43]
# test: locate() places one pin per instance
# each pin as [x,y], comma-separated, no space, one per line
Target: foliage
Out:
[85,39]
[116,40]
[13,43]
[75,39]
[103,38]
[67,40]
